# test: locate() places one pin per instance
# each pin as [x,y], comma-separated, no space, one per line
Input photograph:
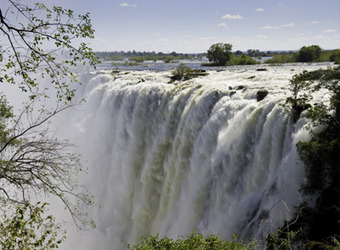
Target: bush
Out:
[193,241]
[243,60]
[281,58]
[183,73]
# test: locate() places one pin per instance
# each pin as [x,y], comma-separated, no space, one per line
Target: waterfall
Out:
[199,155]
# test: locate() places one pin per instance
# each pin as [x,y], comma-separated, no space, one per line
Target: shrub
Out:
[183,73]
[281,58]
[193,241]
[243,60]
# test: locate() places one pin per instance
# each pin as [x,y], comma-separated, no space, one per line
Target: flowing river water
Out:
[202,154]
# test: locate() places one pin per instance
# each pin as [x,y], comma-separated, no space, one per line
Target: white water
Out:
[173,158]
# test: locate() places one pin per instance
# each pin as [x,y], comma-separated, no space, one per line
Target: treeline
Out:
[136,56]
[312,53]
[220,55]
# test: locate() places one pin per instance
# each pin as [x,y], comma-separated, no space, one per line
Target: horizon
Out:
[194,53]
[187,27]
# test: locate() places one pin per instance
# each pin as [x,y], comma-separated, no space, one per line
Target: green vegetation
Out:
[318,226]
[220,54]
[335,56]
[243,60]
[140,57]
[193,241]
[282,58]
[33,162]
[28,228]
[183,73]
[306,54]
[309,54]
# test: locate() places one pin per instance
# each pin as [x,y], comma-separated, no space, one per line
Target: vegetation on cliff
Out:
[316,224]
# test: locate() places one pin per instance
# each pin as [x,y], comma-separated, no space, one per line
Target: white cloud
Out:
[163,40]
[262,36]
[319,38]
[228,16]
[223,25]
[128,5]
[287,25]
[329,31]
[312,22]
[269,27]
[207,39]
[259,10]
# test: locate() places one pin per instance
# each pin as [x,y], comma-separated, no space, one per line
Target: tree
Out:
[309,53]
[220,53]
[335,56]
[32,39]
[39,41]
[321,155]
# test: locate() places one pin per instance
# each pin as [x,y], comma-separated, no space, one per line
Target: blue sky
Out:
[193,25]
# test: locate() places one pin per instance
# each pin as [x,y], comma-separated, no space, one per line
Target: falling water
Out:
[199,155]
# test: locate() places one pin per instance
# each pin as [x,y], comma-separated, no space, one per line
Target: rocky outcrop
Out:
[261,94]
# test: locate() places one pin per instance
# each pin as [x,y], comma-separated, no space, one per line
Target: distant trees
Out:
[220,54]
[335,56]
[309,54]
[243,60]
[140,57]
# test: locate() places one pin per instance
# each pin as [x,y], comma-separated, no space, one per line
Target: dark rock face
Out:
[261,94]
[298,109]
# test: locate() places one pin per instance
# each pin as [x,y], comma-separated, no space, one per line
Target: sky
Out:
[192,26]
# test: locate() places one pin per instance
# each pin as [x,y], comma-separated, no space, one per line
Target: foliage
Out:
[321,156]
[321,153]
[40,41]
[184,73]
[144,56]
[335,56]
[243,60]
[255,53]
[284,239]
[34,161]
[33,42]
[281,58]
[28,228]
[220,54]
[193,241]
[309,54]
